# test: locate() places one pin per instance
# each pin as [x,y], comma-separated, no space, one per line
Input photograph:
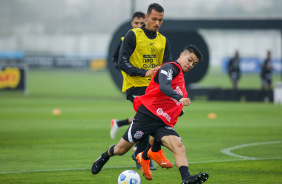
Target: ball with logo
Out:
[129,177]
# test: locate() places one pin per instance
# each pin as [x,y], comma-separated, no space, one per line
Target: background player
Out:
[266,68]
[234,71]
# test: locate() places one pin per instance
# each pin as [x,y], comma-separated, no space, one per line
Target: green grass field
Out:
[39,147]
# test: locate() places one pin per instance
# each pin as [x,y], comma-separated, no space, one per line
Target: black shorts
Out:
[131,93]
[235,76]
[266,78]
[143,125]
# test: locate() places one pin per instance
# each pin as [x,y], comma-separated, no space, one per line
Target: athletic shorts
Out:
[266,79]
[131,93]
[235,76]
[143,125]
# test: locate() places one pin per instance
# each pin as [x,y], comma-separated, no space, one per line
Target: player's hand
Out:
[185,101]
[152,71]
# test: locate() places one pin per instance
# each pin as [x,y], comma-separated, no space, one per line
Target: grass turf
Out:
[38,147]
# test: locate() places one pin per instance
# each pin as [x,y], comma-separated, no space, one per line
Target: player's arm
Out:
[166,74]
[230,65]
[126,50]
[116,53]
[167,53]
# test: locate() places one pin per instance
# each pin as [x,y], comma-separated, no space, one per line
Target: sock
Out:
[122,122]
[156,146]
[184,171]
[105,155]
[145,153]
[142,145]
[111,150]
[138,148]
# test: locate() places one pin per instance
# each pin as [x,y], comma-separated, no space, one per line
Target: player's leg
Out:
[142,128]
[120,149]
[234,80]
[155,153]
[143,157]
[173,143]
[134,154]
[143,147]
[124,145]
[116,124]
[262,80]
[264,83]
[157,147]
[269,82]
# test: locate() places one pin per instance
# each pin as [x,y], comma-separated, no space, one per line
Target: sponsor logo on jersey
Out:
[160,112]
[148,61]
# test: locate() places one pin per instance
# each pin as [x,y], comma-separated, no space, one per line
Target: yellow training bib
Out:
[148,54]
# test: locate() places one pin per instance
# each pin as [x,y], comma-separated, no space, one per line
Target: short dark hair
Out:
[193,49]
[156,7]
[138,15]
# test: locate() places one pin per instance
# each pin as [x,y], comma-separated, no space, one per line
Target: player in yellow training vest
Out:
[138,19]
[150,52]
[142,52]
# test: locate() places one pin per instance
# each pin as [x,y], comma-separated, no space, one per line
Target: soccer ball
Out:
[129,177]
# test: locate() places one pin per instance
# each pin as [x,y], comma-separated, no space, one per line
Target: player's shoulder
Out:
[129,36]
[137,30]
[171,68]
[169,65]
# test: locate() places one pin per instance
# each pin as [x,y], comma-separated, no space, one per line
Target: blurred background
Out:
[77,34]
[58,93]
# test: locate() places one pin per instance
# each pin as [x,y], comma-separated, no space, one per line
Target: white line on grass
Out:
[117,167]
[227,151]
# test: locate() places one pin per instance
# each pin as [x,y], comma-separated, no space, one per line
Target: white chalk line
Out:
[117,167]
[227,151]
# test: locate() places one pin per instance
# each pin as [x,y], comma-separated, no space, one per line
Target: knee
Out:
[180,148]
[119,151]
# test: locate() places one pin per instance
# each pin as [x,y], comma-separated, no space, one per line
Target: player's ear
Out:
[146,17]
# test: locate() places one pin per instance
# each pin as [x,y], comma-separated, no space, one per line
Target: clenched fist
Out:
[185,101]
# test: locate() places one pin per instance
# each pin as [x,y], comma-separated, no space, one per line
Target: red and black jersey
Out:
[157,102]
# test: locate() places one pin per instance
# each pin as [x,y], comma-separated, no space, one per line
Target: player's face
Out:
[137,22]
[154,20]
[187,61]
